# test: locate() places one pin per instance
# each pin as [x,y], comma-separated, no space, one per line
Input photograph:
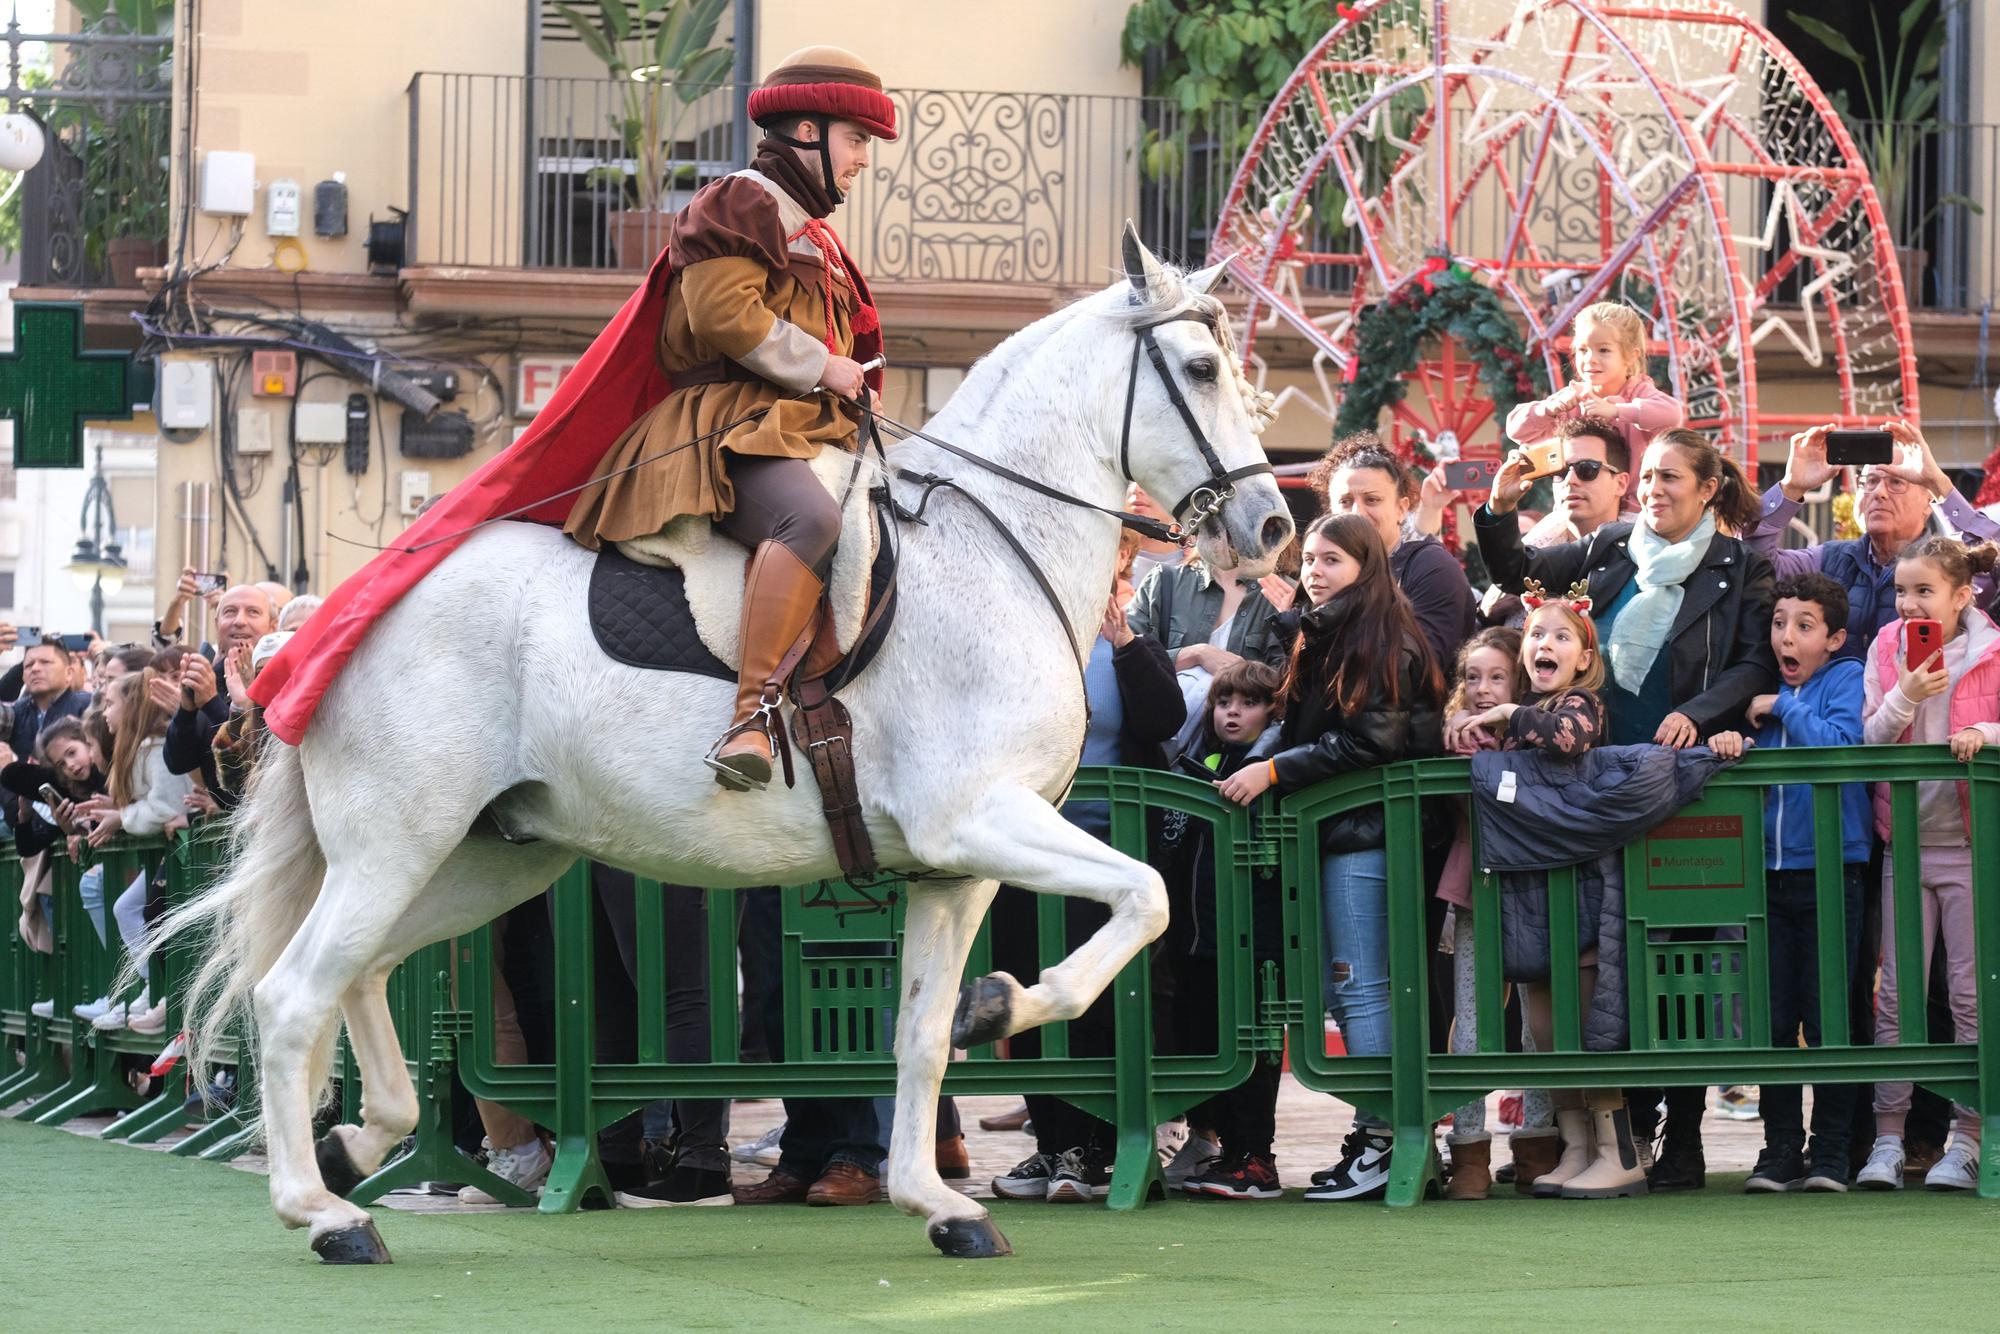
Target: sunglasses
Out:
[1586,470]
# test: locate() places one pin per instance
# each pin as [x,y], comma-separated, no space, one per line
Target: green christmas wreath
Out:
[1445,301]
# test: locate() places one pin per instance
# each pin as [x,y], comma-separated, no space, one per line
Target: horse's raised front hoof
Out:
[969,1239]
[355,1246]
[985,1011]
[336,1169]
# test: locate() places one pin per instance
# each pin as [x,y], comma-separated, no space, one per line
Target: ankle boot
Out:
[1535,1154]
[1471,1170]
[780,597]
[1615,1171]
[1576,1154]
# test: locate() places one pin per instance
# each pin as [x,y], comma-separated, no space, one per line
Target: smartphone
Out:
[74,643]
[1545,458]
[48,793]
[27,636]
[1920,640]
[1471,474]
[1855,448]
[206,583]
[1194,768]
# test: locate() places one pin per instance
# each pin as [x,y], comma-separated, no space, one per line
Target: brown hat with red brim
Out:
[825,81]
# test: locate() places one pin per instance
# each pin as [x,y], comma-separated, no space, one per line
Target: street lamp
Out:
[98,564]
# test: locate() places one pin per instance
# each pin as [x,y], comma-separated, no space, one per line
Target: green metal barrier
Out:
[841,979]
[1698,1008]
[1698,1002]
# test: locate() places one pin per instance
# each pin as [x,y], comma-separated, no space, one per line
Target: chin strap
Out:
[824,146]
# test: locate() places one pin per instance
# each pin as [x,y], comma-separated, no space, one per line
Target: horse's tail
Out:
[244,920]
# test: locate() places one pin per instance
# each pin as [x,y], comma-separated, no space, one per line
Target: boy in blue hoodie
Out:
[1818,704]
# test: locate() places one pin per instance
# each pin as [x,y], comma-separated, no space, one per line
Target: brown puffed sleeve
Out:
[732,217]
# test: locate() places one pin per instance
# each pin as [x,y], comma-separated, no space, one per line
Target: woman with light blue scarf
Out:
[1682,607]
[1683,610]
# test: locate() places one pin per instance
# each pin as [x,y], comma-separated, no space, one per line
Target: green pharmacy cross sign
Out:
[50,386]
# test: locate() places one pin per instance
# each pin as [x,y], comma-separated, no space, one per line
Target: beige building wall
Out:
[312,89]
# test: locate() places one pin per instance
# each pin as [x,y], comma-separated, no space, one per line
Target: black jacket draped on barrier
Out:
[1579,812]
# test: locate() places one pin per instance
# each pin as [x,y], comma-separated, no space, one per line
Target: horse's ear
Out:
[1141,269]
[1204,280]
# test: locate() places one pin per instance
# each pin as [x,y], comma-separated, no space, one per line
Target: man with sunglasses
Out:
[1592,489]
[1895,504]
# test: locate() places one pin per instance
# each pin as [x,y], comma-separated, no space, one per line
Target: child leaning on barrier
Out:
[1951,693]
[1361,690]
[1564,670]
[1819,703]
[1232,730]
[1489,673]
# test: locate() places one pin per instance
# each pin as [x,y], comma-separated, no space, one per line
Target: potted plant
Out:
[1899,91]
[651,48]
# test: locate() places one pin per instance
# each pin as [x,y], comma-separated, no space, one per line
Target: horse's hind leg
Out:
[350,1154]
[937,933]
[480,880]
[1019,839]
[347,935]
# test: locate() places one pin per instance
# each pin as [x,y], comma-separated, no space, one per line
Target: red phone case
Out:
[1920,640]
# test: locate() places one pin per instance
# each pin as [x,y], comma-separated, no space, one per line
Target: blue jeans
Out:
[1356,913]
[90,889]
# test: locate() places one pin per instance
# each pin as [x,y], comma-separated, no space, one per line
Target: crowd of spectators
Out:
[1653,605]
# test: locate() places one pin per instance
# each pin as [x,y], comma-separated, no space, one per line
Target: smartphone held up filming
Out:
[1859,448]
[1920,640]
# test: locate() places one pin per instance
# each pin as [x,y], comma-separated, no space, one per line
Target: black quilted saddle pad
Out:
[640,616]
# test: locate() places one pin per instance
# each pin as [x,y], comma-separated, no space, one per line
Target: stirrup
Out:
[763,719]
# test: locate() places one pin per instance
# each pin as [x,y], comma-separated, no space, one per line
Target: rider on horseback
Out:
[763,308]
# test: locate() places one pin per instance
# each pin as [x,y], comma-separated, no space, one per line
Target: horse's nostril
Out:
[1276,532]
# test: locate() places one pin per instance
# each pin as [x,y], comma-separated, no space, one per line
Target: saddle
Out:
[674,602]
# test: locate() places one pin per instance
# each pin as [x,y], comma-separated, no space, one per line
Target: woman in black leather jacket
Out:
[1705,650]
[1362,690]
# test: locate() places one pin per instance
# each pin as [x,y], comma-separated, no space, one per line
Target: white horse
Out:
[483,690]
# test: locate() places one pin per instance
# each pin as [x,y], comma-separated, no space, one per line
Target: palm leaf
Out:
[1829,37]
[704,73]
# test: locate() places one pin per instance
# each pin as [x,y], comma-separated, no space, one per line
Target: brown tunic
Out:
[739,290]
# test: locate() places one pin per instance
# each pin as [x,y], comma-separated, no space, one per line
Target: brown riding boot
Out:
[953,1163]
[779,599]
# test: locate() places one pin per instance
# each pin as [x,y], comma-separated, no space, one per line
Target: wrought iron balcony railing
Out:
[535,172]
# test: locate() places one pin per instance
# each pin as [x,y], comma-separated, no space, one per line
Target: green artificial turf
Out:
[97,1236]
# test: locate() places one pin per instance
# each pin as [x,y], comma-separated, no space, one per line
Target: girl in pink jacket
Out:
[1952,695]
[1608,349]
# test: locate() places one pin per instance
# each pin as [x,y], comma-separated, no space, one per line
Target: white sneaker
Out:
[1194,1154]
[1957,1170]
[111,1021]
[43,1009]
[763,1151]
[526,1166]
[91,1011]
[1884,1168]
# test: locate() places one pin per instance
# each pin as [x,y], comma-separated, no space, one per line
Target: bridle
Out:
[1208,496]
[1201,503]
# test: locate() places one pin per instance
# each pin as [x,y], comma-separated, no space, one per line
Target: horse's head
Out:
[1185,420]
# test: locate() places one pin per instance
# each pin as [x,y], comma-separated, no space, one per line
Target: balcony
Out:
[94,209]
[982,188]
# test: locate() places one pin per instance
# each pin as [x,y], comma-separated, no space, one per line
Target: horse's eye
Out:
[1201,369]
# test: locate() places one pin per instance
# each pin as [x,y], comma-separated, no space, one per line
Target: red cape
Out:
[533,480]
